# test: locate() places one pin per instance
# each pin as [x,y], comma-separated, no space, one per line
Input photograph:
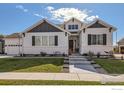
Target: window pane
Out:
[69,26]
[37,40]
[51,40]
[101,39]
[44,40]
[73,26]
[94,39]
[76,26]
[97,39]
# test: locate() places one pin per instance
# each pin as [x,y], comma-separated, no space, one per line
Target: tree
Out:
[1,36]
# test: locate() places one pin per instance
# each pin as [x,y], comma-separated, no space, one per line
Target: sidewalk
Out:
[62,76]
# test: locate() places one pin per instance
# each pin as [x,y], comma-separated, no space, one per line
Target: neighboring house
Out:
[73,36]
[13,44]
[1,44]
[121,46]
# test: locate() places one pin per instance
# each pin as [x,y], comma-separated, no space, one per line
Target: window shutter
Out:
[33,40]
[56,40]
[64,26]
[89,39]
[104,39]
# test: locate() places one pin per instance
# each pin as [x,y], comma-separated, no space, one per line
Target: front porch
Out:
[73,44]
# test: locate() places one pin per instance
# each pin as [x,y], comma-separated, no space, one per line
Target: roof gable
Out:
[45,26]
[97,25]
[73,20]
[121,41]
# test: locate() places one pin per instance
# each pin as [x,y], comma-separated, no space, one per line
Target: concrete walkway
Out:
[62,76]
[79,64]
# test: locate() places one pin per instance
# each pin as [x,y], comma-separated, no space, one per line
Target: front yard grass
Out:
[54,82]
[111,66]
[31,64]
[46,82]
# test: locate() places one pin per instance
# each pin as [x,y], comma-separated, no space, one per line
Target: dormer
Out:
[73,25]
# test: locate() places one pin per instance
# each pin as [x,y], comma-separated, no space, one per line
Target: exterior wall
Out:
[120,50]
[85,48]
[12,46]
[62,47]
[71,23]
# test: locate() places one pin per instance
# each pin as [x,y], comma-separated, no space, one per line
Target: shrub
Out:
[98,55]
[85,54]
[57,53]
[90,54]
[43,53]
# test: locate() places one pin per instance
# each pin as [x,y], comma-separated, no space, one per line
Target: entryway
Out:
[73,45]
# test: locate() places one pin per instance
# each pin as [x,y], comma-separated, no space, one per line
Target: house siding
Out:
[85,48]
[62,46]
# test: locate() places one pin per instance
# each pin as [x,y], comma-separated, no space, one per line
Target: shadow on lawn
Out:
[13,64]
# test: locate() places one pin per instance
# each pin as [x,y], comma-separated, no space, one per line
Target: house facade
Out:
[72,36]
[121,46]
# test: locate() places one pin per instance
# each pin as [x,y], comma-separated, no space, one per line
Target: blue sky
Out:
[17,17]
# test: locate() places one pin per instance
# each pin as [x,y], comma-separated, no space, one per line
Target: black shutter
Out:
[104,39]
[89,39]
[33,40]
[64,26]
[56,40]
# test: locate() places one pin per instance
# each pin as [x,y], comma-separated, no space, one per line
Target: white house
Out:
[72,36]
[121,46]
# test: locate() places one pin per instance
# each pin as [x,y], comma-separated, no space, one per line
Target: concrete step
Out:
[79,64]
[77,59]
[66,61]
[73,61]
[92,62]
[96,66]
[66,66]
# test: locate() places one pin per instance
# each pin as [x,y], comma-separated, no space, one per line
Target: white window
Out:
[44,40]
[51,40]
[97,39]
[37,40]
[71,27]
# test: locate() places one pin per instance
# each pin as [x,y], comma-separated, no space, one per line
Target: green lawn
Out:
[53,82]
[31,64]
[46,82]
[112,66]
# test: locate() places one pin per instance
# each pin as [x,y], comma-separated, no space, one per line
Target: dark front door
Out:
[122,50]
[71,46]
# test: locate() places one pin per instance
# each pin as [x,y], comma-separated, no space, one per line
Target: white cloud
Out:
[38,15]
[21,7]
[64,14]
[91,18]
[50,8]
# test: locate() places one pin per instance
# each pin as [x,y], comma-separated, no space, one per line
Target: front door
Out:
[122,50]
[71,46]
